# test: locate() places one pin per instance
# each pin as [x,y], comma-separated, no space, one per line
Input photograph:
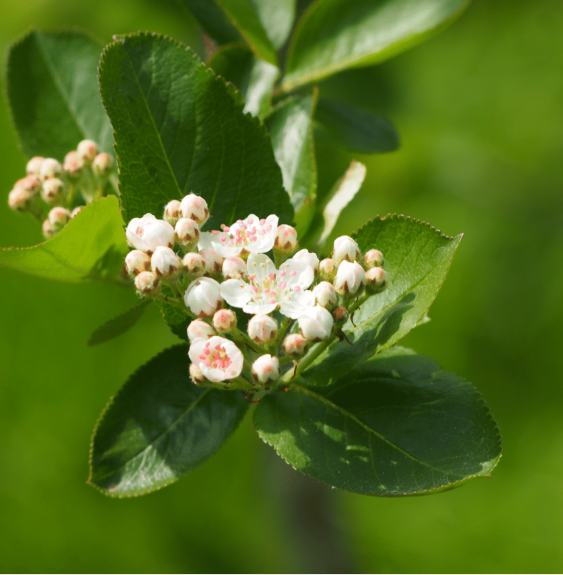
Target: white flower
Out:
[225,320]
[316,323]
[327,269]
[165,263]
[373,259]
[147,284]
[286,239]
[50,168]
[203,297]
[309,258]
[147,233]
[136,262]
[87,151]
[200,329]
[345,248]
[234,268]
[252,234]
[265,369]
[194,264]
[187,233]
[102,164]
[270,289]
[172,212]
[294,345]
[350,278]
[213,261]
[325,294]
[219,359]
[72,165]
[34,166]
[195,208]
[58,218]
[262,329]
[376,279]
[53,191]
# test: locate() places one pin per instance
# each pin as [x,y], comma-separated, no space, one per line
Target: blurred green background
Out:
[480,111]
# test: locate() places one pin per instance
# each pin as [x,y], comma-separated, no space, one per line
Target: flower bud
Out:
[350,278]
[213,261]
[136,262]
[376,279]
[34,166]
[345,249]
[200,329]
[203,297]
[327,269]
[147,284]
[76,211]
[295,345]
[194,264]
[102,165]
[48,231]
[286,240]
[373,259]
[262,329]
[266,369]
[165,263]
[315,323]
[225,320]
[87,151]
[309,258]
[72,165]
[196,375]
[195,208]
[340,315]
[325,294]
[53,191]
[187,233]
[147,233]
[18,199]
[58,218]
[31,184]
[50,168]
[234,268]
[172,212]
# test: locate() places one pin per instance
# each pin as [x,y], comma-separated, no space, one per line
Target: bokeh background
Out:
[480,111]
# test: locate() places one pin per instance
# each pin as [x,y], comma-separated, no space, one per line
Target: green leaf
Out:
[159,427]
[180,129]
[277,19]
[175,318]
[396,425]
[53,93]
[91,246]
[253,77]
[336,34]
[119,324]
[291,128]
[213,20]
[417,258]
[345,127]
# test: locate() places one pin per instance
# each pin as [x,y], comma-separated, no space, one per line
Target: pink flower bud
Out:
[196,375]
[147,233]
[345,249]
[373,259]
[34,166]
[48,231]
[102,164]
[234,268]
[200,329]
[147,284]
[309,258]
[50,168]
[195,208]
[58,218]
[315,323]
[265,369]
[219,359]
[31,184]
[376,279]
[203,297]
[340,315]
[87,151]
[165,263]
[286,239]
[187,233]
[76,211]
[53,191]
[194,264]
[325,294]
[262,329]
[295,345]
[350,278]
[225,320]
[327,269]
[213,261]
[172,212]
[18,199]
[72,165]
[136,262]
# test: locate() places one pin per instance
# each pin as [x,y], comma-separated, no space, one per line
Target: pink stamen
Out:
[282,285]
[251,278]
[202,356]
[216,232]
[139,231]
[262,222]
[225,228]
[256,290]
[297,288]
[232,243]
[293,273]
[207,363]
[272,276]
[253,230]
[282,273]
[272,301]
[223,239]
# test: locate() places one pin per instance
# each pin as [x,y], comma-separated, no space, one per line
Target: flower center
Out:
[215,357]
[246,233]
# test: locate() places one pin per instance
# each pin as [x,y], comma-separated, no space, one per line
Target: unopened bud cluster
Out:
[54,192]
[288,305]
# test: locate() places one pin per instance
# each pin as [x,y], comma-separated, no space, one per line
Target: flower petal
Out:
[236,292]
[255,308]
[261,266]
[296,303]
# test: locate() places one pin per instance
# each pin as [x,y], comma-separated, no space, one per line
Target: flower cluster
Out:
[292,302]
[49,191]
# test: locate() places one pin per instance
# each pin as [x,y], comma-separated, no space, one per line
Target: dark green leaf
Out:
[253,77]
[417,258]
[277,19]
[176,319]
[159,427]
[396,425]
[337,34]
[343,126]
[53,93]
[91,246]
[291,127]
[213,20]
[179,129]
[119,324]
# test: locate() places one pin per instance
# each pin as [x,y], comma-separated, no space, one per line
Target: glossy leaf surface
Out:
[180,129]
[417,258]
[337,34]
[53,93]
[91,246]
[119,324]
[277,18]
[159,427]
[397,425]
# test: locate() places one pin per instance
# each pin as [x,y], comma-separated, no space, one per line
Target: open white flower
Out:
[252,234]
[147,233]
[269,289]
[219,359]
